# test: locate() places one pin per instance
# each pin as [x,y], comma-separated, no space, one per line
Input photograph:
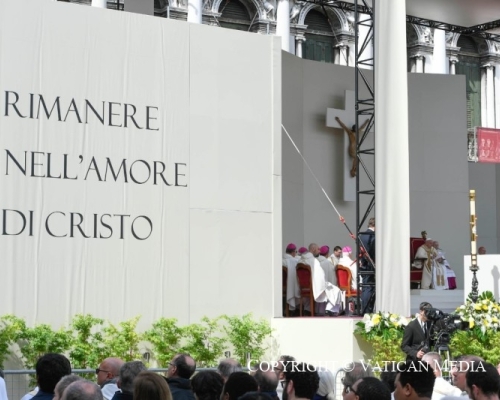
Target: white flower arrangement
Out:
[484,315]
[382,321]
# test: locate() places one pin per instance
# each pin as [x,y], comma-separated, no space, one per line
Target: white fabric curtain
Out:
[392,161]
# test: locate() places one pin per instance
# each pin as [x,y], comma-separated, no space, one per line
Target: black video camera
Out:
[433,314]
[443,325]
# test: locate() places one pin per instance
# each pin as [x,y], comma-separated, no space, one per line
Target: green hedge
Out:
[88,340]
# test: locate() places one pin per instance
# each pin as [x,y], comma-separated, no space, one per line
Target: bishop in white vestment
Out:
[292,287]
[328,295]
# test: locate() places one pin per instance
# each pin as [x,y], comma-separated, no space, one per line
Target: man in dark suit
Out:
[180,370]
[416,335]
[367,265]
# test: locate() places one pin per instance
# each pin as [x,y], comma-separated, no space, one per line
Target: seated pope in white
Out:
[433,274]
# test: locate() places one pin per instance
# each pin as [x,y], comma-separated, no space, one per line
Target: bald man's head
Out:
[314,249]
[182,366]
[109,369]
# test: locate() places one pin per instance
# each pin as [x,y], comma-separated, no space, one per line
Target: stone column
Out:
[490,96]
[341,54]
[195,11]
[283,23]
[100,3]
[412,64]
[453,64]
[497,95]
[419,64]
[299,43]
[439,52]
[484,118]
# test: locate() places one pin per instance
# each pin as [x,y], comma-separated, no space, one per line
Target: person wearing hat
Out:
[327,265]
[292,288]
[346,261]
[302,250]
[433,274]
[327,296]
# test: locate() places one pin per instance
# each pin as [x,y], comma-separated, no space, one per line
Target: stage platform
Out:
[445,300]
[331,340]
[322,341]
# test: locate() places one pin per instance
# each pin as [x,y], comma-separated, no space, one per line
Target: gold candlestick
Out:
[473,245]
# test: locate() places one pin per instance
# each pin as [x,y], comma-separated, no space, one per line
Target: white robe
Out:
[443,388]
[334,260]
[433,274]
[329,270]
[346,261]
[292,287]
[446,265]
[323,291]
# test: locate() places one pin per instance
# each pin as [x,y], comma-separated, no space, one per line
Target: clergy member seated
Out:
[327,265]
[433,275]
[346,261]
[335,257]
[292,287]
[301,251]
[450,274]
[327,296]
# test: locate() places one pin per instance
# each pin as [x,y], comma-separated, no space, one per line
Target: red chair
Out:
[344,279]
[285,282]
[415,273]
[304,279]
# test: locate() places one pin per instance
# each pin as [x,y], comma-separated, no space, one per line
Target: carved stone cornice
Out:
[344,37]
[297,29]
[178,13]
[417,56]
[420,49]
[490,60]
[263,26]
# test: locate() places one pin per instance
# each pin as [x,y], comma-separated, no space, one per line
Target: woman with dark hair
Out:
[207,385]
[151,386]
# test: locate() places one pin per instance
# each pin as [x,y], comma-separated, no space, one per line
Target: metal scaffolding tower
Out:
[364,67]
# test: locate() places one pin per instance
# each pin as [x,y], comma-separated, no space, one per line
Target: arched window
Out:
[469,65]
[234,15]
[319,37]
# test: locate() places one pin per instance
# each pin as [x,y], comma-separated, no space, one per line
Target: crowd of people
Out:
[285,379]
[329,299]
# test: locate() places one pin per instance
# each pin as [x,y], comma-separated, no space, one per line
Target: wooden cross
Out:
[348,117]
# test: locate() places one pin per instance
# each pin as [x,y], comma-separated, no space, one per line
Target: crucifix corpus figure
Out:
[352,143]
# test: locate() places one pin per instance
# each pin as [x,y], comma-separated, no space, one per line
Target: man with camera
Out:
[416,337]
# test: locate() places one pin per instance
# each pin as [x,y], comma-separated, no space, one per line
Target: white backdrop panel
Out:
[191,150]
[227,274]
[230,139]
